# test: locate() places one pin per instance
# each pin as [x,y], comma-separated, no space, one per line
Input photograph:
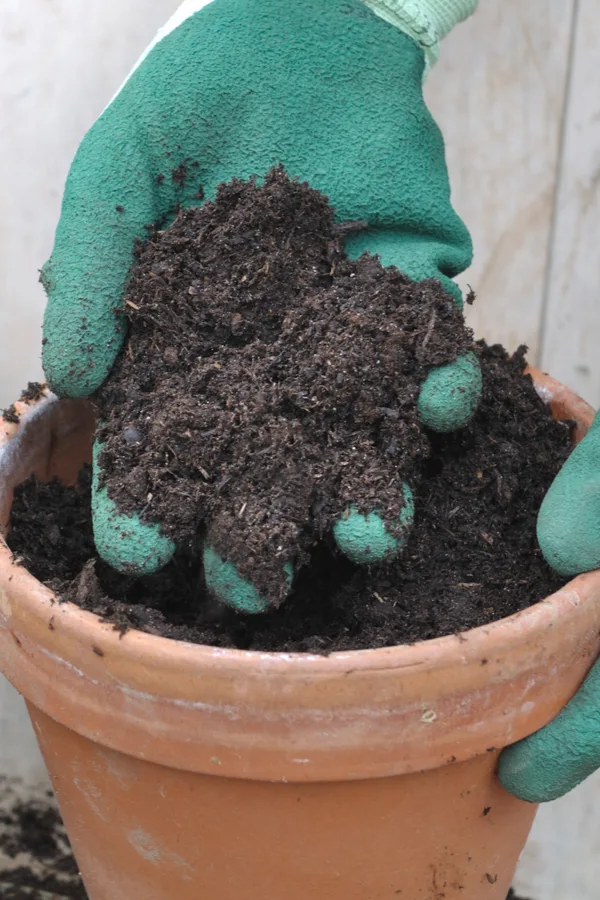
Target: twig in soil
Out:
[350,226]
[429,330]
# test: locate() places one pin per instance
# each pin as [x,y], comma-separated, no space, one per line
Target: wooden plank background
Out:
[498,94]
[516,93]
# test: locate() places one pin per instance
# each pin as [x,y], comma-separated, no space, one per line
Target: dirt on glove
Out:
[472,556]
[268,383]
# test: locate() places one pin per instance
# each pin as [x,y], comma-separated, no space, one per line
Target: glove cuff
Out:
[425,21]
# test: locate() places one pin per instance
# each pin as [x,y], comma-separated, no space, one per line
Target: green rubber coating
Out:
[568,526]
[450,394]
[123,541]
[366,540]
[225,582]
[556,759]
[335,94]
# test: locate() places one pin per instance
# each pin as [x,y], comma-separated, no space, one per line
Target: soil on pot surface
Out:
[36,862]
[32,392]
[268,382]
[472,556]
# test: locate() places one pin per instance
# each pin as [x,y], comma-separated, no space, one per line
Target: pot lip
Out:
[87,628]
[83,626]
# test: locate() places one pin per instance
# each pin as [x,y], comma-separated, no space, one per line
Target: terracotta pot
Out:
[185,771]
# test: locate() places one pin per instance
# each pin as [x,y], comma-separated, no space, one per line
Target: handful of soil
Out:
[268,382]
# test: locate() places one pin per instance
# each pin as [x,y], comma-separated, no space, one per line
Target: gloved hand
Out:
[556,759]
[330,88]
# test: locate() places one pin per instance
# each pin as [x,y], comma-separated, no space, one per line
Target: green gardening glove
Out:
[556,759]
[330,88]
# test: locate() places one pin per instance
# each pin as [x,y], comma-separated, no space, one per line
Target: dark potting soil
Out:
[33,836]
[33,391]
[472,556]
[268,383]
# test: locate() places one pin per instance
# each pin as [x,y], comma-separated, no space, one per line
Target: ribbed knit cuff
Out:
[425,21]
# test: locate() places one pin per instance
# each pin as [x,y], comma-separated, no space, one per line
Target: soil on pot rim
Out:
[472,556]
[269,383]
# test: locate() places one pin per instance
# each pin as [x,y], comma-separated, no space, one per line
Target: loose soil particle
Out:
[34,841]
[32,392]
[472,556]
[268,382]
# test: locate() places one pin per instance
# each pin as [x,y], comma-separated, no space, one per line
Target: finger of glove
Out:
[367,539]
[225,582]
[252,548]
[450,394]
[556,759]
[568,526]
[110,195]
[123,540]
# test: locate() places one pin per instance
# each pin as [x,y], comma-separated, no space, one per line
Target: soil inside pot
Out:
[472,556]
[36,862]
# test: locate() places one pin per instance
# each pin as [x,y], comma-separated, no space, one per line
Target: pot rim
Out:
[298,716]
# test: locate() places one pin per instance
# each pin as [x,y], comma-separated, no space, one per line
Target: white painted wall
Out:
[516,94]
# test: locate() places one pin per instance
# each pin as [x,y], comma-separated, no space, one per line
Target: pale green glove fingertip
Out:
[123,541]
[450,394]
[365,539]
[553,761]
[225,582]
[568,526]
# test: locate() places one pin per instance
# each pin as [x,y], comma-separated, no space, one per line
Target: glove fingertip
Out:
[366,539]
[526,771]
[123,541]
[450,394]
[225,582]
